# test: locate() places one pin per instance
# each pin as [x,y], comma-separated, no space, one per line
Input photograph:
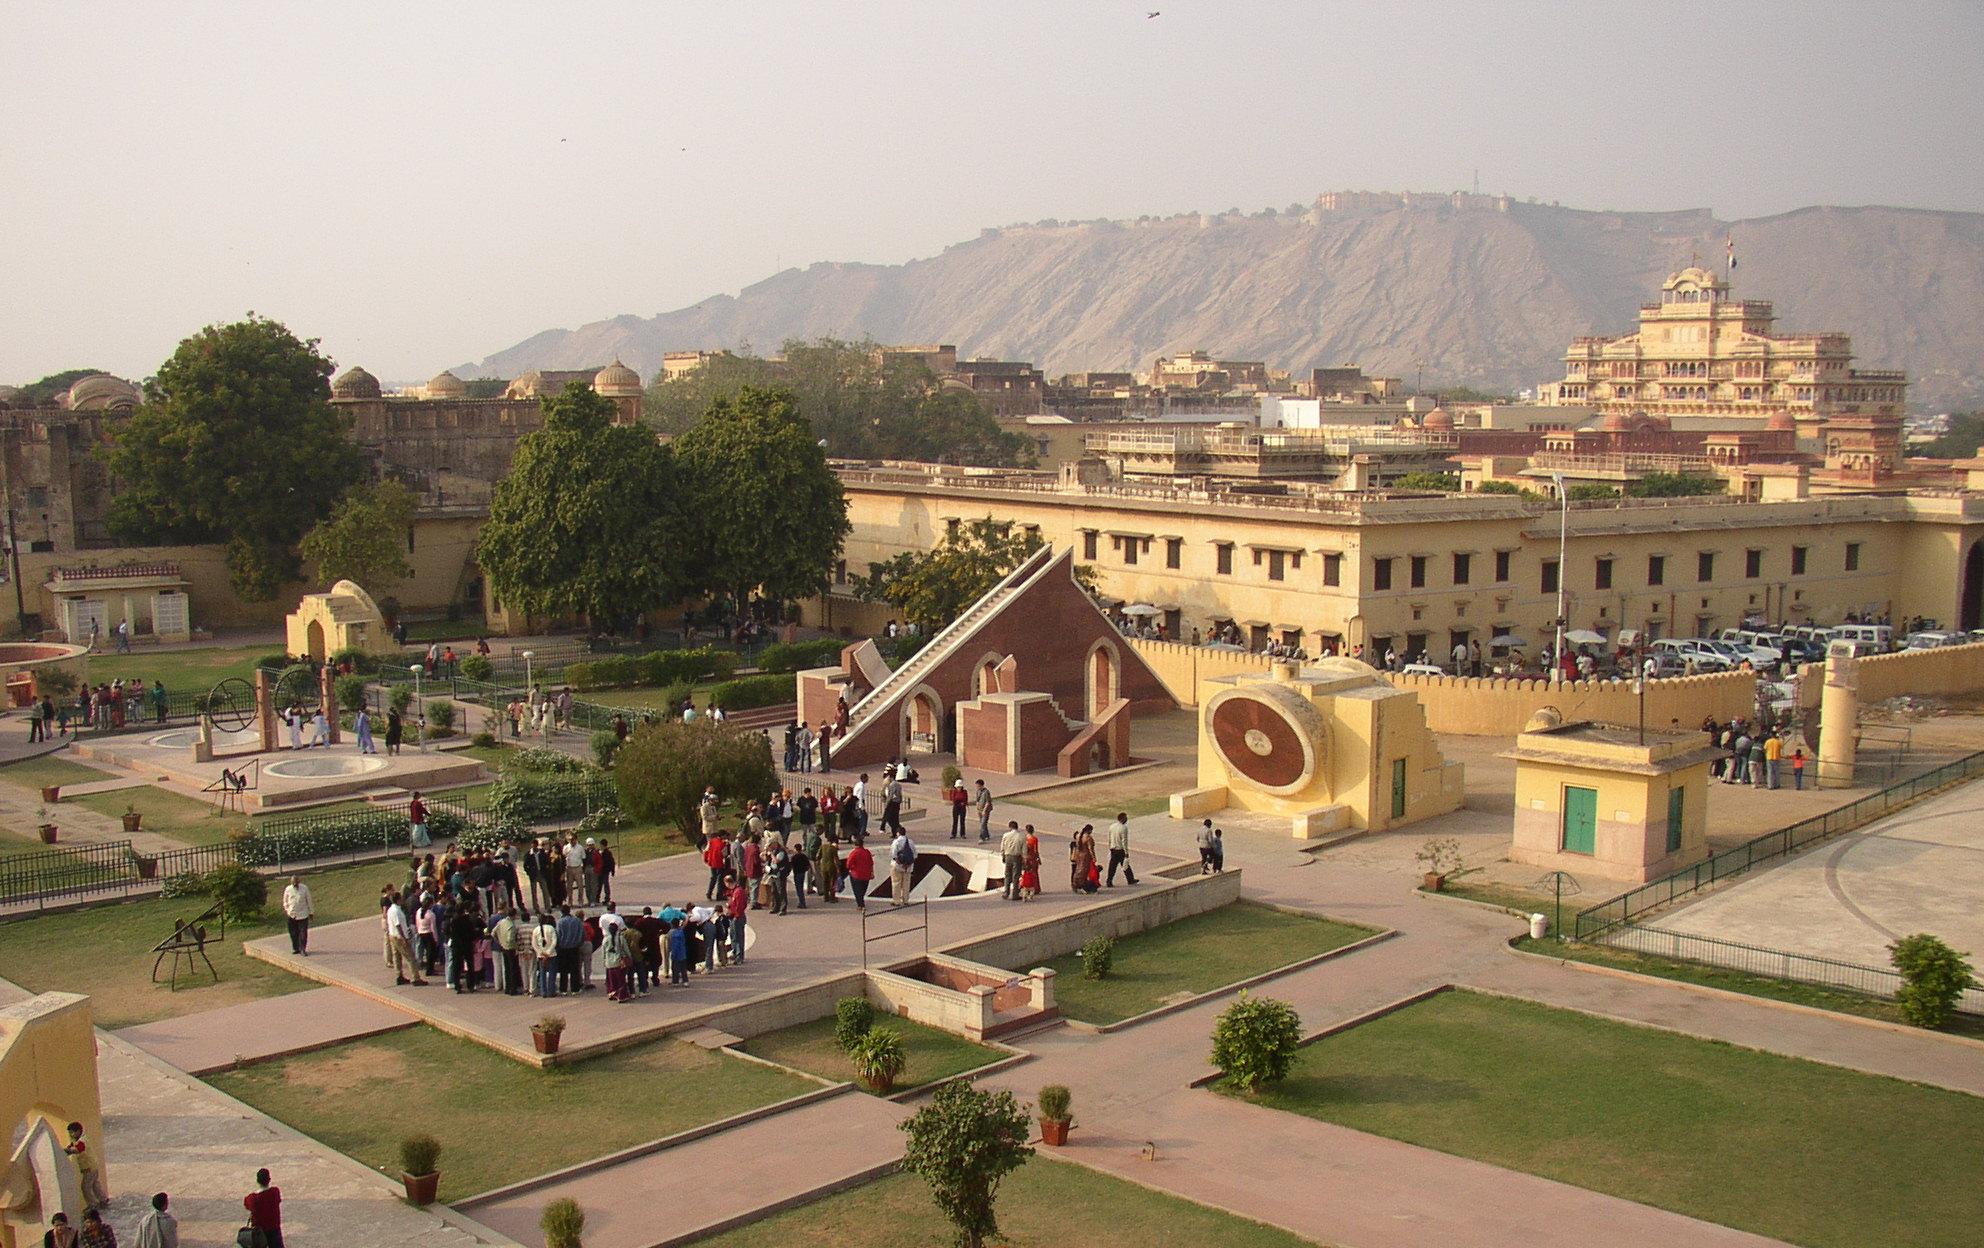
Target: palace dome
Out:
[447,386]
[1437,419]
[616,380]
[100,392]
[355,383]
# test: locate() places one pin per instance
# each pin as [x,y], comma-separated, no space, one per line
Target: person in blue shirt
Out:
[678,950]
[571,935]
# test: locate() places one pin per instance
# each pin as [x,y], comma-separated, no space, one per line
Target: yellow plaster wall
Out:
[48,1071]
[1933,673]
[1632,847]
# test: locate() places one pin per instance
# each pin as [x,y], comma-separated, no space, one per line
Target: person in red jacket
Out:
[716,856]
[739,902]
[264,1206]
[860,869]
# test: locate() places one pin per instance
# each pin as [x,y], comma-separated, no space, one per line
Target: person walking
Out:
[1030,866]
[860,871]
[395,730]
[363,727]
[1119,850]
[297,909]
[264,1206]
[902,868]
[1204,842]
[960,799]
[716,856]
[891,800]
[982,799]
[1081,858]
[158,1228]
[1012,852]
[1798,769]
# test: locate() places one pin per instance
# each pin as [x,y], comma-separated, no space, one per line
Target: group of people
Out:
[104,707]
[1753,754]
[157,1228]
[539,713]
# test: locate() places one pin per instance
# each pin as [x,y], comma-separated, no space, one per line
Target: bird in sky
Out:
[1151,14]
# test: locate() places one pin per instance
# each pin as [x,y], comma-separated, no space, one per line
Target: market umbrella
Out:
[1584,637]
[1141,608]
[1506,639]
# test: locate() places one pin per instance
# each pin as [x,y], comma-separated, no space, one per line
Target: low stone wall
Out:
[1939,672]
[788,1009]
[1147,906]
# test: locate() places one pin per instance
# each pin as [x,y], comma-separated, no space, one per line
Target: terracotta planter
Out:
[51,793]
[131,820]
[1055,1131]
[420,1188]
[1435,881]
[880,1087]
[546,1041]
[47,831]
[147,868]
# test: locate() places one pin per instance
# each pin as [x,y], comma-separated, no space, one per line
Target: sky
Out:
[418,185]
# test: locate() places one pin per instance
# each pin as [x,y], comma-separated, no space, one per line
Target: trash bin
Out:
[1538,925]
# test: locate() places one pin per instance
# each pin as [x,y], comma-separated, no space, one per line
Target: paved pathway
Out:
[256,1030]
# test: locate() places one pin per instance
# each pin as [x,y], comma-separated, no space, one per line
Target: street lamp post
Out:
[1563,573]
[528,656]
[419,741]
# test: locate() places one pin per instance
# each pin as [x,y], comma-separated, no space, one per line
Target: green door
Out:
[1674,807]
[1580,820]
[1398,788]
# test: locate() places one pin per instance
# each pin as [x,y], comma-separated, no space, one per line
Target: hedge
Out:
[344,834]
[747,692]
[523,797]
[543,760]
[798,655]
[662,667]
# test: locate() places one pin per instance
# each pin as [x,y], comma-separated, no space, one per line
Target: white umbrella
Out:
[1142,608]
[1584,637]
[1506,639]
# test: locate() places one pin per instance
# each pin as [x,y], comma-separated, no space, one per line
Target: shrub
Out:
[420,1154]
[400,698]
[1055,1101]
[58,682]
[605,744]
[962,1144]
[485,739]
[879,1057]
[535,797]
[796,656]
[854,1017]
[747,692]
[363,662]
[1254,1041]
[1098,955]
[343,834]
[183,884]
[278,661]
[240,893]
[1934,978]
[562,1223]
[606,819]
[545,762]
[662,769]
[952,775]
[606,673]
[478,667]
[350,693]
[441,716]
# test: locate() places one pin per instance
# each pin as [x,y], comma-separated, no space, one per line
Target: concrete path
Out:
[682,1193]
[258,1030]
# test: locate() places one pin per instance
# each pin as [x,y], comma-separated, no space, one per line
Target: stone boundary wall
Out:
[1149,905]
[1498,707]
[1939,672]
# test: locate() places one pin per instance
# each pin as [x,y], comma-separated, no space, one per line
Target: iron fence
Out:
[77,871]
[1595,921]
[1872,981]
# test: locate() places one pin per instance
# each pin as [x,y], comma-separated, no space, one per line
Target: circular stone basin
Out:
[329,765]
[184,737]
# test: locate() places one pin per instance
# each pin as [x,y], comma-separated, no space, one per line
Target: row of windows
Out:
[1656,567]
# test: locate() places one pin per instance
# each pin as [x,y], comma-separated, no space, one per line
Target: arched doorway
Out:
[985,677]
[922,724]
[1971,614]
[315,633]
[1103,679]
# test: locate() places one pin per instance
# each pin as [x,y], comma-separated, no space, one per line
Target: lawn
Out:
[1781,1147]
[1102,810]
[183,671]
[1194,955]
[1814,995]
[932,1054]
[1044,1203]
[499,1120]
[104,950]
[33,774]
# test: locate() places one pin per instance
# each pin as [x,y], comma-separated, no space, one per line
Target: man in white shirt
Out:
[158,1229]
[1012,850]
[703,920]
[401,933]
[297,909]
[1119,850]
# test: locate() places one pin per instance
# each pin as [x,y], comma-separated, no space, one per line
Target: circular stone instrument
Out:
[1269,736]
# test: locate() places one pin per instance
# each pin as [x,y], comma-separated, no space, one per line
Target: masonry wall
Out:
[1163,902]
[1941,672]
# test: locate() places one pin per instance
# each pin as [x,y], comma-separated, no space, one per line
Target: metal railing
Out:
[1593,922]
[1873,981]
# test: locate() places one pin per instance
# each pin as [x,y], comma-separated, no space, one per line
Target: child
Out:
[678,952]
[1030,879]
[87,1168]
[1798,768]
[1218,851]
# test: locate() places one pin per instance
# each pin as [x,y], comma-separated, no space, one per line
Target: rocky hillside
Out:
[1472,296]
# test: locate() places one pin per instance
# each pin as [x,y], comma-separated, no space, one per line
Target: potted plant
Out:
[1054,1120]
[132,819]
[51,793]
[879,1059]
[545,1032]
[562,1223]
[419,1155]
[146,864]
[1441,858]
[46,828]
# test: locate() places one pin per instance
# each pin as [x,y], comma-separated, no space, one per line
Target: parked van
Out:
[1931,640]
[1879,635]
[1693,650]
[1848,648]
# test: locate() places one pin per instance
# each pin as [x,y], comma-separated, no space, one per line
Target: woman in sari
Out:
[1081,856]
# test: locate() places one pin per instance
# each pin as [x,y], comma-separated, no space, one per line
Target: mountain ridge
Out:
[1446,293]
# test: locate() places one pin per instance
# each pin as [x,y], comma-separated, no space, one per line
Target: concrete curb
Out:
[820,1192]
[240,1063]
[1368,1016]
[1211,994]
[1729,994]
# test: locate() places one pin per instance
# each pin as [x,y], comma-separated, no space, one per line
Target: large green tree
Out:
[589,520]
[768,511]
[365,535]
[934,587]
[236,442]
[962,1144]
[662,769]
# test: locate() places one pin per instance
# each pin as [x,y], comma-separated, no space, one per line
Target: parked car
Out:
[1423,669]
[1759,658]
[1687,650]
[1847,647]
[1932,640]
[1878,635]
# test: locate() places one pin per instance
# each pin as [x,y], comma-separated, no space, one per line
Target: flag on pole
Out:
[1732,253]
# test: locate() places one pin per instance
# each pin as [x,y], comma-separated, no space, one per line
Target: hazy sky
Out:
[419,184]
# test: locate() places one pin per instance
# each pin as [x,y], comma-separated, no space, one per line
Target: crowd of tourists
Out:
[1754,754]
[157,1227]
[102,707]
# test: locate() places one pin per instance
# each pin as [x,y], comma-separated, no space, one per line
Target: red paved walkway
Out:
[257,1030]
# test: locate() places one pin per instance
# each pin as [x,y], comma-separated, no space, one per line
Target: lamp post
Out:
[528,656]
[419,741]
[1563,572]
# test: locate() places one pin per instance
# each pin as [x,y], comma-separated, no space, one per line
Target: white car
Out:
[1693,650]
[1422,669]
[1931,640]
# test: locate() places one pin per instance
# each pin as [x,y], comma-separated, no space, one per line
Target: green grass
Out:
[499,1120]
[1510,897]
[1102,811]
[183,671]
[932,1054]
[1043,1204]
[1785,1148]
[104,951]
[166,813]
[1835,999]
[1192,956]
[35,773]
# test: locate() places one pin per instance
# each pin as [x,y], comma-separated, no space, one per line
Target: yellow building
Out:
[1698,352]
[1333,571]
[1600,799]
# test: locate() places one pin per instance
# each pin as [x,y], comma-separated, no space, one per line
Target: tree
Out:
[1427,481]
[236,442]
[1965,436]
[365,536]
[43,393]
[962,1144]
[1586,491]
[768,512]
[589,520]
[1675,485]
[662,769]
[1507,487]
[947,426]
[1254,1041]
[1934,978]
[934,587]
